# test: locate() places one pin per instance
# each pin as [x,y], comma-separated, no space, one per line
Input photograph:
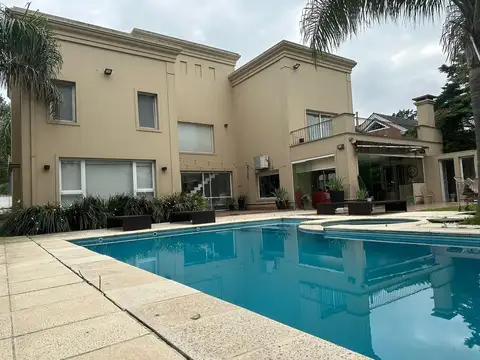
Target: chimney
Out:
[426,129]
[425,110]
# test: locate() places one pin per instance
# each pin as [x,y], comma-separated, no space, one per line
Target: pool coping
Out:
[210,336]
[205,337]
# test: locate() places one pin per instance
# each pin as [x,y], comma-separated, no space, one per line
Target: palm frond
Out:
[325,24]
[30,57]
[455,32]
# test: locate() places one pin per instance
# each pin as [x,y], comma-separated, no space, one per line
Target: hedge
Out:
[91,213]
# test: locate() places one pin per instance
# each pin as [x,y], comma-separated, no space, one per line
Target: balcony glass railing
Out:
[311,133]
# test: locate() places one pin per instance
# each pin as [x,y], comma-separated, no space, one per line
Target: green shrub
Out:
[472,220]
[138,205]
[91,213]
[87,214]
[194,202]
[34,220]
[157,208]
[117,204]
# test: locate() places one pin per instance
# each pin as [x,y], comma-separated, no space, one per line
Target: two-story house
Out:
[149,114]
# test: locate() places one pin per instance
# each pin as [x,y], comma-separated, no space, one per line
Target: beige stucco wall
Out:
[273,102]
[259,108]
[317,89]
[203,95]
[106,119]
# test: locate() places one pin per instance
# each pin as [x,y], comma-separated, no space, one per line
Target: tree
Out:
[325,24]
[406,113]
[5,143]
[29,55]
[453,110]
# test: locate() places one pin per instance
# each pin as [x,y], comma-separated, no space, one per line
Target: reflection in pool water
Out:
[384,300]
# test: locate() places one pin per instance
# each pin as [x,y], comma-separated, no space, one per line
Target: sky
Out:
[395,63]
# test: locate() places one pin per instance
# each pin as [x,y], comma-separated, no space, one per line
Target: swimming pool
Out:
[385,300]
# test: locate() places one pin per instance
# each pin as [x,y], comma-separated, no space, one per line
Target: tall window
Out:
[196,138]
[147,111]
[268,184]
[65,111]
[79,178]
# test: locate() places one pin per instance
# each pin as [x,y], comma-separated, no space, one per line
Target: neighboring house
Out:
[149,114]
[387,125]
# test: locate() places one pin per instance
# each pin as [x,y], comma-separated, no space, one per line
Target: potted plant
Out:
[281,198]
[306,201]
[336,188]
[242,202]
[361,205]
[231,204]
[362,194]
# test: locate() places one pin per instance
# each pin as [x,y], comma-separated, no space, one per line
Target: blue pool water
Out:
[385,300]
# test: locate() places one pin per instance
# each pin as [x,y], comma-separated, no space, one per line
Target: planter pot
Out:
[242,205]
[337,196]
[282,205]
[359,207]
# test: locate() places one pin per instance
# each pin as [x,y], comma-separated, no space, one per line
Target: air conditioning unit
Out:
[261,162]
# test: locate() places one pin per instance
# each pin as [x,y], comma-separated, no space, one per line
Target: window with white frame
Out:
[319,125]
[65,111]
[79,178]
[196,138]
[147,110]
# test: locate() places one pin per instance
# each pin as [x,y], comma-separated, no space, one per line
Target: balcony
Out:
[311,133]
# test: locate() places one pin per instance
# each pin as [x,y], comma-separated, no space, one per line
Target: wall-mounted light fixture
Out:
[108,71]
[340,146]
[296,66]
[46,167]
[225,126]
[164,168]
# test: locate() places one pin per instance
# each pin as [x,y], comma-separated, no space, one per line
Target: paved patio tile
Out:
[181,310]
[61,313]
[122,280]
[37,272]
[147,347]
[49,296]
[114,274]
[135,296]
[77,338]
[5,325]
[45,283]
[228,335]
[3,287]
[16,271]
[86,259]
[4,304]
[71,253]
[303,347]
[39,261]
[6,350]
[105,265]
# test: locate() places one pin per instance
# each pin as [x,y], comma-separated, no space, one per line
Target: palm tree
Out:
[29,54]
[325,24]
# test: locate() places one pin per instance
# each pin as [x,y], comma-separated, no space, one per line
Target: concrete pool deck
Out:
[62,301]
